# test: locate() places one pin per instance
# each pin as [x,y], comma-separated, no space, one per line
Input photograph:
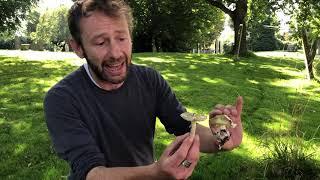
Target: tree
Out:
[7,39]
[12,12]
[261,26]
[32,20]
[306,25]
[52,28]
[174,25]
[237,10]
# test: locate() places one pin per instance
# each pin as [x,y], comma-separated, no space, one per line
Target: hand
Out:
[233,112]
[184,147]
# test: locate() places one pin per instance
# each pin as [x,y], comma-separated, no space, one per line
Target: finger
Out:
[194,154]
[226,112]
[172,148]
[234,112]
[183,150]
[215,112]
[239,105]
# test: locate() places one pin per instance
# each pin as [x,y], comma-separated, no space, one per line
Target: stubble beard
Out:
[104,77]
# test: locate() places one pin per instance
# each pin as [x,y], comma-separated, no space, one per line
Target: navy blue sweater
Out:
[92,127]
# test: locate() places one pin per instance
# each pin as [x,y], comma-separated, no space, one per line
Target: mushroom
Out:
[222,120]
[219,125]
[193,118]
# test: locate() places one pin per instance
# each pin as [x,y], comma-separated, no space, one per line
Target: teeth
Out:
[114,65]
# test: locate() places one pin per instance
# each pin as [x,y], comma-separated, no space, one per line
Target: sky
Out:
[52,4]
[284,19]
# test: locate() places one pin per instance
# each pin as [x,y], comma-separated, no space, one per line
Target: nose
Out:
[115,50]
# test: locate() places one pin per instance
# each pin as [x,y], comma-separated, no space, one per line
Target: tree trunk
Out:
[153,43]
[310,53]
[318,47]
[238,17]
[17,42]
[154,25]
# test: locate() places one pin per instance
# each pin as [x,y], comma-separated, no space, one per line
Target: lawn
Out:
[278,102]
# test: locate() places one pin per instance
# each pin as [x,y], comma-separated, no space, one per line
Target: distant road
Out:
[47,55]
[298,54]
[43,55]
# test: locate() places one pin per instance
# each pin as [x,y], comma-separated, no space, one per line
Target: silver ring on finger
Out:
[185,163]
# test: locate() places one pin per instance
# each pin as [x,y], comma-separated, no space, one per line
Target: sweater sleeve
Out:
[70,136]
[168,107]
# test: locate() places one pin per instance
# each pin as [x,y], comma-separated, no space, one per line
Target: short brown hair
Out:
[83,8]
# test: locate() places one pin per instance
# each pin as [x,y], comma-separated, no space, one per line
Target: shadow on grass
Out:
[26,151]
[200,82]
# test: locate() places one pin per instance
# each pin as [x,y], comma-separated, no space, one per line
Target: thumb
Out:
[174,146]
[239,104]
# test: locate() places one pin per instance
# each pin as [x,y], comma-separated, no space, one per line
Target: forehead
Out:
[98,23]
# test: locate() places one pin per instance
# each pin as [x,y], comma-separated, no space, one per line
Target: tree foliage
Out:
[237,10]
[12,12]
[32,20]
[262,23]
[7,39]
[306,25]
[52,28]
[174,25]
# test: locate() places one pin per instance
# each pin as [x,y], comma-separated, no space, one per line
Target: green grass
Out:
[277,102]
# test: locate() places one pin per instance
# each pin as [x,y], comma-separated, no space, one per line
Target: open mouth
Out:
[114,69]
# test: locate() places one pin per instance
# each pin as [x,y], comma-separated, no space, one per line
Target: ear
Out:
[77,48]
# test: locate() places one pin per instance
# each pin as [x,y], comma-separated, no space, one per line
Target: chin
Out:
[115,80]
[118,80]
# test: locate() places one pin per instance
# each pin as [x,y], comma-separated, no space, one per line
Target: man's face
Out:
[106,44]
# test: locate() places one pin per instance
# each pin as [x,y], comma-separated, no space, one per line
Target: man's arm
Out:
[169,166]
[208,142]
[140,172]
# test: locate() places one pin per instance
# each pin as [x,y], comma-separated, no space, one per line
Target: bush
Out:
[266,42]
[6,44]
[227,47]
[289,160]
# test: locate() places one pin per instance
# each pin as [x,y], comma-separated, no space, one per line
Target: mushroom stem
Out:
[193,128]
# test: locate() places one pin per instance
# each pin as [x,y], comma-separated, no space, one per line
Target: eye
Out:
[100,43]
[122,39]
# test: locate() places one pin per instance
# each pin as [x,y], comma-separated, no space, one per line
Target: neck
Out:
[104,84]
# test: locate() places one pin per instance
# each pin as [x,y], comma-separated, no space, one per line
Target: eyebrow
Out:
[101,34]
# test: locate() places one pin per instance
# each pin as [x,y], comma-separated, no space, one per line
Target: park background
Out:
[210,51]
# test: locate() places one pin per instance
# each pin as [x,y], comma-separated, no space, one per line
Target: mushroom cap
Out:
[222,120]
[192,117]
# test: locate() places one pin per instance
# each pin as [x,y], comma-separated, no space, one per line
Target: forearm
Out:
[124,173]
[207,141]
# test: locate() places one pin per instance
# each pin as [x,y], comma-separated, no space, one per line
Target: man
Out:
[101,117]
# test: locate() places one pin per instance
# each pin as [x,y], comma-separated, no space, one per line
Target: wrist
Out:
[95,173]
[157,173]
